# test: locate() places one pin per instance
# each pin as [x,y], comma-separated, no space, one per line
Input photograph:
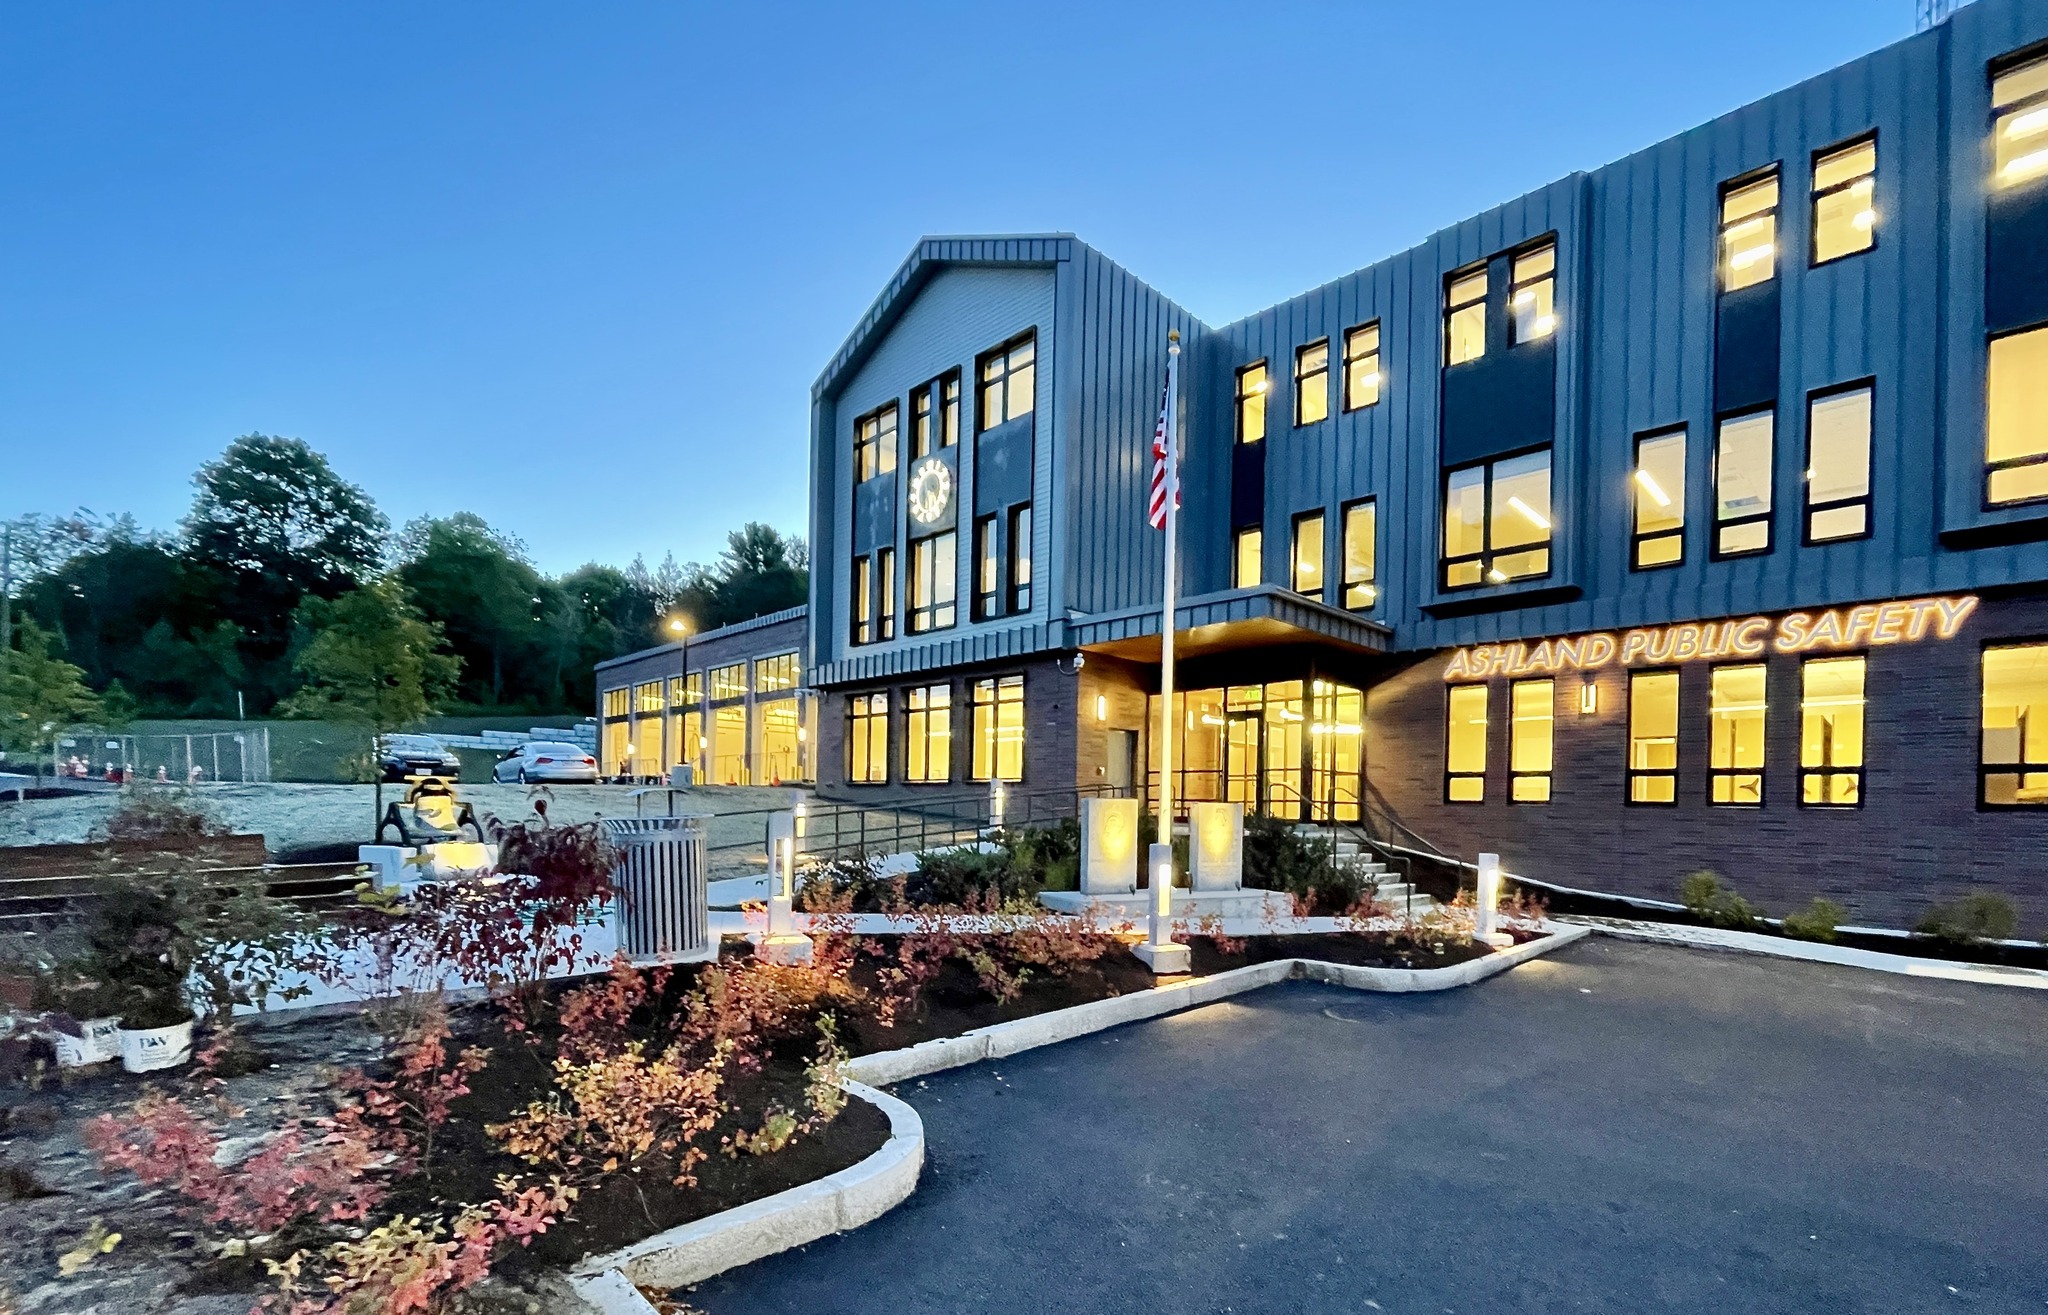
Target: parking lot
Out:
[1619,1128]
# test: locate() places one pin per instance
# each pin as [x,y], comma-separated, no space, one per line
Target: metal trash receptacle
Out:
[663,891]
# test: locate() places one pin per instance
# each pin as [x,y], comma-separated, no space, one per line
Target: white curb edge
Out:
[703,1248]
[1749,942]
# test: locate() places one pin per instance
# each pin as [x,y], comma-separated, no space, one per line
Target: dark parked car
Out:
[405,756]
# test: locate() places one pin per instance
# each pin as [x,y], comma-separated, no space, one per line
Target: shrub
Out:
[1816,922]
[1277,857]
[161,812]
[1716,905]
[1975,918]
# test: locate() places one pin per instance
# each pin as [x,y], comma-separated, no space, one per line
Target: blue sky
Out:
[575,266]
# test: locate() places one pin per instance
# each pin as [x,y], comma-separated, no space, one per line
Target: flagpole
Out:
[1163,954]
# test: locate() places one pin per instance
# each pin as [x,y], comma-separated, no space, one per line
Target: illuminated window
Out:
[729,682]
[1312,382]
[2019,123]
[1844,200]
[863,601]
[1497,521]
[987,564]
[1465,317]
[1361,546]
[933,583]
[618,702]
[1838,464]
[1735,735]
[781,743]
[2013,771]
[1659,538]
[1532,710]
[1532,295]
[687,692]
[1247,567]
[1009,378]
[1742,484]
[1653,737]
[867,739]
[648,697]
[729,746]
[928,734]
[998,728]
[874,444]
[1251,402]
[1307,564]
[1361,366]
[885,593]
[1020,558]
[935,415]
[1749,233]
[1831,732]
[1465,746]
[2016,446]
[648,759]
[774,674]
[617,748]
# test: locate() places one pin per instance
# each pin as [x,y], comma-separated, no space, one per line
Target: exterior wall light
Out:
[1589,699]
[1102,707]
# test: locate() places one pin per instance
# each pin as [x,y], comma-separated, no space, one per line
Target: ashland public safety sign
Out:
[1868,626]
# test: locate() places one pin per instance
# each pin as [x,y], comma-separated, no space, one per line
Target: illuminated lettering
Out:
[1541,659]
[1748,637]
[1633,646]
[1568,651]
[1954,611]
[1685,643]
[1792,632]
[1599,651]
[1457,666]
[1923,612]
[1891,618]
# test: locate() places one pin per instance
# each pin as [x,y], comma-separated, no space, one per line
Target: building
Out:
[729,703]
[1687,513]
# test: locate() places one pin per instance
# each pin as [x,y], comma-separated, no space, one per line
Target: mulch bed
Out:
[1356,949]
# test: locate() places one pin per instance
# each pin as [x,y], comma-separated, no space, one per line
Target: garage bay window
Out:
[867,739]
[1653,737]
[928,734]
[1465,745]
[2016,446]
[1736,735]
[1497,521]
[1831,732]
[998,729]
[1531,716]
[2013,760]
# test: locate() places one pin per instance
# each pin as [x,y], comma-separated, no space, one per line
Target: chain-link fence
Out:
[200,758]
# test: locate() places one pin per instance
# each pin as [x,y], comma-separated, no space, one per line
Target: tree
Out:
[370,661]
[479,584]
[40,694]
[759,572]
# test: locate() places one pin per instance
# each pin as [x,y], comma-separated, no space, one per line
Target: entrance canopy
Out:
[1264,616]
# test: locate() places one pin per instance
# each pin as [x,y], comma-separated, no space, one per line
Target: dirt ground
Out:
[324,822]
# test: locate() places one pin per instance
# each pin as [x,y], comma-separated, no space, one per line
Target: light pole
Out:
[679,626]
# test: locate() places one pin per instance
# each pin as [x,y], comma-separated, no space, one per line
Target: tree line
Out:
[217,619]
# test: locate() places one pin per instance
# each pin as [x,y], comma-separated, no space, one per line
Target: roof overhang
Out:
[1264,616]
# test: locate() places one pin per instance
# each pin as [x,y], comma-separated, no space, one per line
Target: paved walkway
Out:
[1622,1127]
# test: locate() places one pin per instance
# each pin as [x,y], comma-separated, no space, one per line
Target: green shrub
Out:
[1983,916]
[1816,922]
[1277,857]
[1716,905]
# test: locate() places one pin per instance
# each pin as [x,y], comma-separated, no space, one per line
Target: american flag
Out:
[1165,453]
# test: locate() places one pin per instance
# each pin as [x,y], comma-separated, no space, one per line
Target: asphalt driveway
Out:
[1618,1128]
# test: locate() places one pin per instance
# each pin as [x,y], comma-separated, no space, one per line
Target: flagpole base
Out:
[1164,960]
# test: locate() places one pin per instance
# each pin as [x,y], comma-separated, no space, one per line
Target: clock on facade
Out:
[931,490]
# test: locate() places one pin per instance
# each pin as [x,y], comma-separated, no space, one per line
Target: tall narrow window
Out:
[1465,746]
[949,410]
[1020,559]
[1307,565]
[2013,760]
[1532,295]
[921,421]
[1844,200]
[1838,464]
[1736,735]
[1659,538]
[1653,737]
[1497,521]
[1361,549]
[863,601]
[1532,709]
[998,728]
[933,583]
[1247,566]
[1831,732]
[1251,402]
[1742,484]
[867,739]
[1749,233]
[1312,382]
[2016,447]
[1009,377]
[1465,317]
[885,593]
[987,568]
[874,444]
[2019,123]
[1361,366]
[928,734]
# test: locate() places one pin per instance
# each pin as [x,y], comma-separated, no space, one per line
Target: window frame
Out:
[885,593]
[1549,774]
[1016,597]
[1775,170]
[911,713]
[1237,538]
[1515,287]
[1769,516]
[859,714]
[2024,766]
[1991,467]
[994,704]
[1762,771]
[1815,195]
[1630,772]
[1371,506]
[986,603]
[1264,393]
[1378,373]
[868,449]
[861,601]
[1861,769]
[1636,536]
[1999,68]
[1294,553]
[1304,381]
[928,613]
[1485,689]
[1451,281]
[1487,553]
[982,383]
[1810,508]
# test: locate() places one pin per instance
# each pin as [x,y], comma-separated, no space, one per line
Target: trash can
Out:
[663,896]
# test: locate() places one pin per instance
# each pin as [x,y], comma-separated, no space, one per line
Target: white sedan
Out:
[547,762]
